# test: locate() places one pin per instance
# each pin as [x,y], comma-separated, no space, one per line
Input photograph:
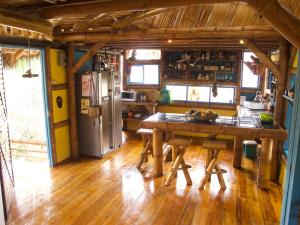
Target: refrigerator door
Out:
[106,117]
[88,129]
[117,113]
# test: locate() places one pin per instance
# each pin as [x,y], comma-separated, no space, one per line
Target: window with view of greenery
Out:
[201,94]
[145,70]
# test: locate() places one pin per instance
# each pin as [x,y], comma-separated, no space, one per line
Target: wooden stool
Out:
[179,146]
[212,163]
[147,146]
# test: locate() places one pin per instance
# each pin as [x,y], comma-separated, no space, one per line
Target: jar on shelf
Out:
[184,65]
[207,77]
[207,56]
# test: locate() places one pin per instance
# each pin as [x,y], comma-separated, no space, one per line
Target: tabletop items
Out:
[201,115]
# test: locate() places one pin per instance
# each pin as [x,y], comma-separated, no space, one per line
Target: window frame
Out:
[142,62]
[186,91]
[234,94]
[242,74]
[142,49]
[210,95]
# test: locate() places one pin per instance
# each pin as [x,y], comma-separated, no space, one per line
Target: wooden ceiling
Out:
[236,17]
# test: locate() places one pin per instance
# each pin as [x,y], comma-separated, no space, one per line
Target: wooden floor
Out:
[112,191]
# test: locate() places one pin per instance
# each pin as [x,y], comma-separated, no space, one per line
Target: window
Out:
[203,94]
[198,94]
[225,95]
[144,74]
[143,66]
[249,80]
[145,54]
[177,93]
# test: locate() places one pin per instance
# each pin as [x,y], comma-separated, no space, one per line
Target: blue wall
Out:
[288,118]
[87,66]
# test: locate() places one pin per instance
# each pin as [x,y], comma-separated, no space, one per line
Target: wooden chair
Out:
[147,146]
[212,164]
[179,146]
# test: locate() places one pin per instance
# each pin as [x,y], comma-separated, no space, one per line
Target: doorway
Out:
[27,129]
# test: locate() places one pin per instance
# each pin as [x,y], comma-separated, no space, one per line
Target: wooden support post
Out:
[264,162]
[72,101]
[281,82]
[263,57]
[279,108]
[158,152]
[237,152]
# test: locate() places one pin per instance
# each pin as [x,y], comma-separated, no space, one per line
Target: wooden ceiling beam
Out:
[136,18]
[13,19]
[168,34]
[96,7]
[85,25]
[89,54]
[280,18]
[263,57]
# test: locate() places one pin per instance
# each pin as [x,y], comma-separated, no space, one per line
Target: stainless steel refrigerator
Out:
[99,132]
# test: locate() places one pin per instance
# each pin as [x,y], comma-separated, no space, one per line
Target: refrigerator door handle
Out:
[106,98]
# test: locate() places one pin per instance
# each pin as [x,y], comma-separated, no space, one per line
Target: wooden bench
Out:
[212,164]
[179,146]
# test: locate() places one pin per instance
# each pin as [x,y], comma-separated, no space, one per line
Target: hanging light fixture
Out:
[28,73]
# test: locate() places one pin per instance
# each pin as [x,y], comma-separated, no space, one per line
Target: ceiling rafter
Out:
[142,16]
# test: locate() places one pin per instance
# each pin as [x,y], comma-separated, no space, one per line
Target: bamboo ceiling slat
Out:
[235,14]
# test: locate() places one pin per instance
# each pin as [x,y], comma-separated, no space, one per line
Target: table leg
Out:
[237,152]
[168,136]
[158,152]
[264,163]
[144,141]
[274,160]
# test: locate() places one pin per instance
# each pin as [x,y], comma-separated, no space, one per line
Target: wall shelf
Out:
[194,65]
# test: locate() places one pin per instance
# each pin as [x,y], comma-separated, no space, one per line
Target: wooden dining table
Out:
[239,127]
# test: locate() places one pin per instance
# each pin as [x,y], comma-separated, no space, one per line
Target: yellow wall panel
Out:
[295,64]
[60,114]
[61,135]
[58,73]
[282,170]
[62,143]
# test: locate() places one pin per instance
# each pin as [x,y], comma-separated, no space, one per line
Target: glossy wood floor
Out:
[112,191]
